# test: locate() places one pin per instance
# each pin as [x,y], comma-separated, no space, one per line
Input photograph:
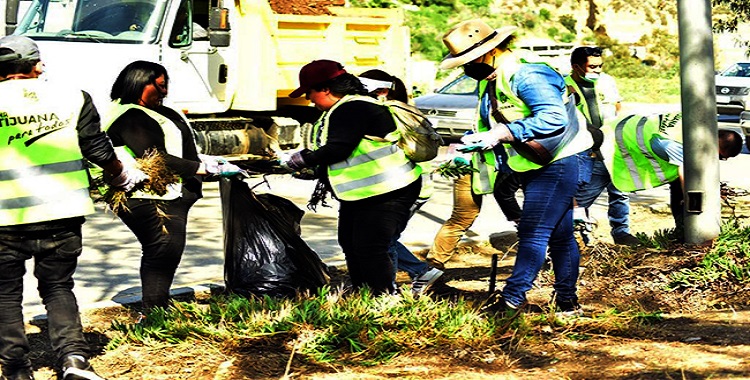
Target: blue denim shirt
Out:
[541,88]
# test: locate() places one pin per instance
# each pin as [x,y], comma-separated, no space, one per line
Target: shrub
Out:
[569,22]
[545,14]
[553,32]
[567,37]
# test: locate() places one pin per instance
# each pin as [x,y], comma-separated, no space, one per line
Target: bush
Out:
[567,37]
[544,14]
[479,6]
[553,32]
[569,22]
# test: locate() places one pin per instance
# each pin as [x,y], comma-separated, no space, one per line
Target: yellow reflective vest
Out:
[172,142]
[582,105]
[513,108]
[629,157]
[376,166]
[42,174]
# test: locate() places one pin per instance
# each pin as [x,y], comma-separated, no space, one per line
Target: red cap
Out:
[315,73]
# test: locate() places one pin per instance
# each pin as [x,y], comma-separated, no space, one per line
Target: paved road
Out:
[108,270]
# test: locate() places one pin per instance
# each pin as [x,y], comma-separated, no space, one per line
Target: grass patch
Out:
[328,327]
[650,90]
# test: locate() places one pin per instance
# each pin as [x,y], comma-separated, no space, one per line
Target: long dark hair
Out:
[397,91]
[131,81]
[344,84]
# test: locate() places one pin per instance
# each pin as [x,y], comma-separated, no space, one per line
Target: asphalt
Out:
[107,274]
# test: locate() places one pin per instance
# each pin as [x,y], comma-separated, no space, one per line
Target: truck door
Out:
[198,80]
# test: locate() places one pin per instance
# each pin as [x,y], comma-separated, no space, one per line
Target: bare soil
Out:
[304,7]
[704,332]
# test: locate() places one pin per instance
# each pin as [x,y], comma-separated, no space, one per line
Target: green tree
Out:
[657,12]
[729,13]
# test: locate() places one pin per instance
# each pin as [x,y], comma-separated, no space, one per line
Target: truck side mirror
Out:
[218,27]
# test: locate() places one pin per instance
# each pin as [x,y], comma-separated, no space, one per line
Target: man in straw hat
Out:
[524,125]
[46,132]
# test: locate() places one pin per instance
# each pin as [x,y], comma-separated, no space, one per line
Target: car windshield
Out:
[462,85]
[128,21]
[741,69]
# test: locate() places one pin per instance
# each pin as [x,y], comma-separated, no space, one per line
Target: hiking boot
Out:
[627,239]
[76,367]
[568,309]
[22,373]
[425,280]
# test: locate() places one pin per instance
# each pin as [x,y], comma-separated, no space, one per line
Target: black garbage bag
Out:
[263,251]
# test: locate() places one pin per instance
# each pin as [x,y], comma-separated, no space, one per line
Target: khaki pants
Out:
[466,206]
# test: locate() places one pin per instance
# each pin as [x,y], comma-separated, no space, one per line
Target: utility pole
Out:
[699,126]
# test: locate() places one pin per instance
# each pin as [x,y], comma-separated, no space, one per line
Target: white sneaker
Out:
[423,282]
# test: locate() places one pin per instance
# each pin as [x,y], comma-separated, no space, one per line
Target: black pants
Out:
[366,230]
[506,186]
[677,206]
[55,254]
[162,242]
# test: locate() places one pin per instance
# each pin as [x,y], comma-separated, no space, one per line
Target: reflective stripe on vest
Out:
[373,168]
[42,176]
[172,142]
[583,105]
[632,162]
[513,108]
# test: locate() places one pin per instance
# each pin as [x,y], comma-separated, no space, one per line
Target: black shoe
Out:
[568,308]
[76,367]
[627,239]
[495,303]
[23,373]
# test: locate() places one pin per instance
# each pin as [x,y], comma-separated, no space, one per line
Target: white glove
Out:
[219,166]
[128,179]
[488,139]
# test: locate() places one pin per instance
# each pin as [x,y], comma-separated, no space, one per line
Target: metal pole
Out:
[699,127]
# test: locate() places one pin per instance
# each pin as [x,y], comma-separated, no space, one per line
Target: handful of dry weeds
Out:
[160,177]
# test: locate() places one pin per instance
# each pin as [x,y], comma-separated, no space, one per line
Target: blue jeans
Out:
[595,178]
[55,253]
[547,221]
[406,261]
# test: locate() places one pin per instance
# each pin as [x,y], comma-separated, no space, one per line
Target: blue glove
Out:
[461,161]
[216,165]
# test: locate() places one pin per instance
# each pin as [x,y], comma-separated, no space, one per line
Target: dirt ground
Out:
[703,333]
[304,7]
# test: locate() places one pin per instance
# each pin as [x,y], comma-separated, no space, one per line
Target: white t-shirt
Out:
[607,89]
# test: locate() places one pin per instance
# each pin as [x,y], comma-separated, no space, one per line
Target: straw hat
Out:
[470,40]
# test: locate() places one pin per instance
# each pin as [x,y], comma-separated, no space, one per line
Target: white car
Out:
[733,90]
[453,108]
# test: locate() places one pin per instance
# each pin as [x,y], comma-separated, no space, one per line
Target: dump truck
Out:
[231,63]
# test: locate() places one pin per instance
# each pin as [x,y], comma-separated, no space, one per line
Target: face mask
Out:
[591,77]
[478,71]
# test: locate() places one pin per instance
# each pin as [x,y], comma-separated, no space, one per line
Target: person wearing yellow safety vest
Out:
[46,131]
[530,129]
[640,156]
[384,86]
[355,152]
[137,123]
[583,81]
